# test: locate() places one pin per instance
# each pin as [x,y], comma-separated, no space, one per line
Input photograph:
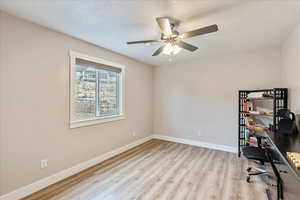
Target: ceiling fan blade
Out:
[186,46]
[143,41]
[159,50]
[200,31]
[165,25]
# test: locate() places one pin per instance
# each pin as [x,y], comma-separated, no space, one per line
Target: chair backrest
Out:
[287,123]
[283,113]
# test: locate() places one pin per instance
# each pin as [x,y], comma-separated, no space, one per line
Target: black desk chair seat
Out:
[255,153]
[259,154]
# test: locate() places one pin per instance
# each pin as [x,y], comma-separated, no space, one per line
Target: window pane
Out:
[108,93]
[85,93]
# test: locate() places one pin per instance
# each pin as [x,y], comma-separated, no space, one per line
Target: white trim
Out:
[197,143]
[95,59]
[38,185]
[99,120]
[75,124]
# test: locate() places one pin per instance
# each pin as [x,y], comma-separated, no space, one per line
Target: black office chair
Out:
[259,154]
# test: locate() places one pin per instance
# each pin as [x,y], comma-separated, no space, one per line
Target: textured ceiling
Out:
[243,24]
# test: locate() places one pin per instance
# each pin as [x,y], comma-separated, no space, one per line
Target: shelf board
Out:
[256,128]
[258,98]
[264,115]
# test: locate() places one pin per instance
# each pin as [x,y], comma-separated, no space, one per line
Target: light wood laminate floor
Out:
[162,170]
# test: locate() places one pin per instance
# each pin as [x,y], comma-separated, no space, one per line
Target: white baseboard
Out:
[197,143]
[38,185]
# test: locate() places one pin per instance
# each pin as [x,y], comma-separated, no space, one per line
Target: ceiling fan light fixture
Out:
[168,49]
[176,49]
[171,49]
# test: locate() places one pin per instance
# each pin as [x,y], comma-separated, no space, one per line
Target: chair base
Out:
[254,171]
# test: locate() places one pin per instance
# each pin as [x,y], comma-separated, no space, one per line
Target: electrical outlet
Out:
[44,163]
[199,133]
[133,133]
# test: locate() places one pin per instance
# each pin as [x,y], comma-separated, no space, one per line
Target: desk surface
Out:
[286,143]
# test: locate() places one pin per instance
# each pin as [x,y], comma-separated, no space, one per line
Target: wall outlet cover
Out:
[44,163]
[199,133]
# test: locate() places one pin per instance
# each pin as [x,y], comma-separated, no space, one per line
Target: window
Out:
[97,90]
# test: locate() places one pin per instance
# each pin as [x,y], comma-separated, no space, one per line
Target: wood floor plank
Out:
[160,170]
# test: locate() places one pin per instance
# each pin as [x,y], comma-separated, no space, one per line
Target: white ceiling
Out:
[243,24]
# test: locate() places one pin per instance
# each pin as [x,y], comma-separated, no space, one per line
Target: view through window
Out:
[96,92]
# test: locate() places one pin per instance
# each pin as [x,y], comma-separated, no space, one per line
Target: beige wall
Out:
[192,99]
[200,96]
[291,68]
[1,98]
[35,104]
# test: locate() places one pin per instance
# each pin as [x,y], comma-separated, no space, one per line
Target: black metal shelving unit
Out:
[279,98]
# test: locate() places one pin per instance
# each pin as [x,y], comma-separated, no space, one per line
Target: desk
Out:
[283,144]
[290,175]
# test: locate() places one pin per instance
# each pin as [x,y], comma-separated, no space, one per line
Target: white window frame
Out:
[97,120]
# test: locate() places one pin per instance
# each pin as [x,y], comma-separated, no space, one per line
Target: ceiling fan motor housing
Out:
[174,36]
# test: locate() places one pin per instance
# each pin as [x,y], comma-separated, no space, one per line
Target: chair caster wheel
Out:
[249,169]
[248,179]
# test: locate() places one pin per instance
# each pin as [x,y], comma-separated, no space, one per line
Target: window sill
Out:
[99,120]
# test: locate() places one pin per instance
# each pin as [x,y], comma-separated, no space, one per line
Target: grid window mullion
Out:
[117,94]
[98,94]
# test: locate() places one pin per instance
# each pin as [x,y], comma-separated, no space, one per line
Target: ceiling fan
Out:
[172,39]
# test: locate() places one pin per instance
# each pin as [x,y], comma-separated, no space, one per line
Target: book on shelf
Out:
[256,95]
[247,106]
[251,125]
[255,112]
[249,121]
[259,95]
[252,141]
[257,128]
